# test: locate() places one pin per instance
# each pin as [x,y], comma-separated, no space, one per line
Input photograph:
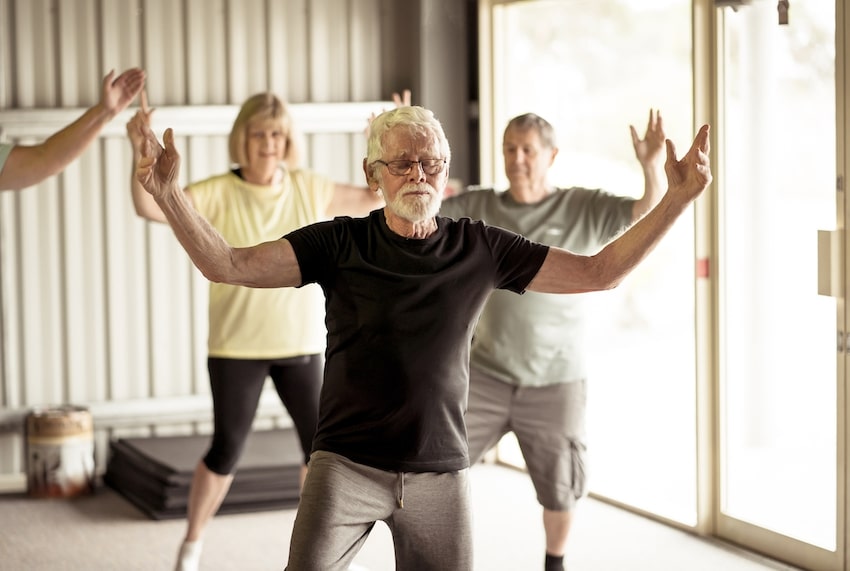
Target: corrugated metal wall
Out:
[100,308]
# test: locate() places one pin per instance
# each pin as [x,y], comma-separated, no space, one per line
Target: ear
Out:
[371,178]
[554,154]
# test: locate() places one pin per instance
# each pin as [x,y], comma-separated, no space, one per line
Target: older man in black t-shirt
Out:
[404,288]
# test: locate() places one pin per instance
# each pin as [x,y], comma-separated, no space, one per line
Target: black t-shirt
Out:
[400,315]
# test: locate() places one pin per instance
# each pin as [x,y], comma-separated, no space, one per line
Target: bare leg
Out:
[206,493]
[557,527]
[205,496]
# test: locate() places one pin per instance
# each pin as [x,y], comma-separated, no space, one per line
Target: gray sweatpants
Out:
[428,515]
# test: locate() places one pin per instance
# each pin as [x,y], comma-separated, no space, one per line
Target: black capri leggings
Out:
[236,387]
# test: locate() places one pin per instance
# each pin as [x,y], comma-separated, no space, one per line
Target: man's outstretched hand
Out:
[158,167]
[688,177]
[649,149]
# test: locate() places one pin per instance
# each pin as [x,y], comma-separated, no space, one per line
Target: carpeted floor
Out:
[104,532]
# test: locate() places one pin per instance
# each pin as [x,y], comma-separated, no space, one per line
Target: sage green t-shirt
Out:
[5,149]
[536,339]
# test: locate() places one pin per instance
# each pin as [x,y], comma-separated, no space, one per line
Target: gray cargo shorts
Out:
[549,424]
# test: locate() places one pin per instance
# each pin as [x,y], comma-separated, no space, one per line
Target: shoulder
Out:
[469,202]
[580,192]
[214,182]
[307,177]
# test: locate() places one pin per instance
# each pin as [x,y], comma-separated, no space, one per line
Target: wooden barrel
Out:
[60,452]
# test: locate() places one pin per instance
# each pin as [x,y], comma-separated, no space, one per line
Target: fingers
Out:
[635,136]
[654,124]
[143,101]
[701,142]
[402,100]
[136,81]
[704,133]
[671,151]
[659,122]
[172,162]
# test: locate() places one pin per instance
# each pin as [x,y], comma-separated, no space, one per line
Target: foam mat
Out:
[155,473]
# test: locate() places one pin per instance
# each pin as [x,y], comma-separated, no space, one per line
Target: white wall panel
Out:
[207,76]
[164,51]
[247,34]
[288,48]
[36,80]
[120,34]
[102,309]
[365,40]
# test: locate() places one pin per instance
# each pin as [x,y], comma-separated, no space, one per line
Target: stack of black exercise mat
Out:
[155,473]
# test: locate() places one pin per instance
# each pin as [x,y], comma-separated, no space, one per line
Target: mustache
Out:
[417,187]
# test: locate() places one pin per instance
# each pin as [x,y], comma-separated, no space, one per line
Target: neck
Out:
[262,177]
[417,230]
[527,194]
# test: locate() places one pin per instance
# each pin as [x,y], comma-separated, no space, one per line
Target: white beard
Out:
[415,208]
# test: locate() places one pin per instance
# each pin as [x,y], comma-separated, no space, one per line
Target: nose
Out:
[417,172]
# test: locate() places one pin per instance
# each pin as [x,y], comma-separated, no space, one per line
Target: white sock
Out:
[189,557]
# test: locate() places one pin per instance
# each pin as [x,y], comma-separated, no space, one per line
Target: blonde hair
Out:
[263,106]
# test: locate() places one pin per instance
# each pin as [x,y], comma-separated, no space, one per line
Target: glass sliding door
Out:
[778,365]
[592,68]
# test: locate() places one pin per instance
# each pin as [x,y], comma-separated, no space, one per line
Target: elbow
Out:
[224,268]
[218,273]
[213,275]
[605,276]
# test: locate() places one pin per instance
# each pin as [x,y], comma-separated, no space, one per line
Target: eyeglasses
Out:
[402,167]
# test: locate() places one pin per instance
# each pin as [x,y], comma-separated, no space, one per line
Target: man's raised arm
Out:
[270,264]
[565,272]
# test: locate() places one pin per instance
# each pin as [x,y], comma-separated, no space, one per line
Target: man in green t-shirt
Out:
[527,370]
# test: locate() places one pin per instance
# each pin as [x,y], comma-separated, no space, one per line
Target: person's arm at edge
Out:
[266,265]
[649,153]
[565,272]
[351,200]
[63,147]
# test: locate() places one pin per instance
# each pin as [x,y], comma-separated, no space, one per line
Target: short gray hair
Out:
[530,121]
[417,120]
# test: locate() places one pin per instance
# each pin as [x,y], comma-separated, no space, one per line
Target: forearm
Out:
[621,256]
[205,246]
[565,272]
[58,150]
[653,190]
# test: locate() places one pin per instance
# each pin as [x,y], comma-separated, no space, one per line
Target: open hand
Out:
[688,177]
[648,150]
[118,93]
[158,169]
